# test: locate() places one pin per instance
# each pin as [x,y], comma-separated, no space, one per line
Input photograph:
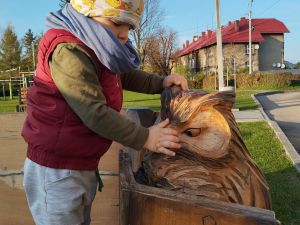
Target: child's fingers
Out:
[164,123]
[172,138]
[169,131]
[184,85]
[168,144]
[166,151]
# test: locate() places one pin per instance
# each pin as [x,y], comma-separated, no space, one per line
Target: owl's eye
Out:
[192,132]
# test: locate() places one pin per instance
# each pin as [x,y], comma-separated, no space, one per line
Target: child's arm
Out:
[141,81]
[75,76]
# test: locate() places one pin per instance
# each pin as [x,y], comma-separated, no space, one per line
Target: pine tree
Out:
[10,50]
[29,44]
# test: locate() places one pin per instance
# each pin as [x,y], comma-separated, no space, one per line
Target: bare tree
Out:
[161,49]
[150,23]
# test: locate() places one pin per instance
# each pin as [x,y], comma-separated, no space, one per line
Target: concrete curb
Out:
[288,147]
[248,116]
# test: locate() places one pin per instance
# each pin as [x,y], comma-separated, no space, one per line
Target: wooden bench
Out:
[22,100]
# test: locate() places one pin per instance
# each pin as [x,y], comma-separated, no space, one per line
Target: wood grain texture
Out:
[145,205]
[213,161]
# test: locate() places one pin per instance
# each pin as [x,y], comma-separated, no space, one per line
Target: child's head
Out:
[122,11]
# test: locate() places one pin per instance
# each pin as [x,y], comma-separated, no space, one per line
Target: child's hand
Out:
[177,80]
[161,138]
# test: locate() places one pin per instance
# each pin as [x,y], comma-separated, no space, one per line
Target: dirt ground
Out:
[13,205]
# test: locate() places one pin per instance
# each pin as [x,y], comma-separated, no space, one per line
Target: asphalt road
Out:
[284,108]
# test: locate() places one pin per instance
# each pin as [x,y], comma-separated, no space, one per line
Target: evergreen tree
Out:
[29,45]
[10,50]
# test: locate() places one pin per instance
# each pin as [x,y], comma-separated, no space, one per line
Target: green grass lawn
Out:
[133,99]
[244,100]
[8,105]
[283,179]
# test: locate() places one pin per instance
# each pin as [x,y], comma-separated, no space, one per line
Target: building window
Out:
[247,49]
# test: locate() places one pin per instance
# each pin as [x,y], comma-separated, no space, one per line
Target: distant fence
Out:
[13,84]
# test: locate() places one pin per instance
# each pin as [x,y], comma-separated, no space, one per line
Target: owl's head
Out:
[201,118]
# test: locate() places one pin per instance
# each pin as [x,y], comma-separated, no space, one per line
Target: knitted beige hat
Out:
[127,11]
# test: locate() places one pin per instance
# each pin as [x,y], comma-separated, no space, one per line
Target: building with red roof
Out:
[267,46]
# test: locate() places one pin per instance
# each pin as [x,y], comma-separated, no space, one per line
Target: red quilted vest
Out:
[56,136]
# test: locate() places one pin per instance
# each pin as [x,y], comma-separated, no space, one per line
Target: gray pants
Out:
[59,196]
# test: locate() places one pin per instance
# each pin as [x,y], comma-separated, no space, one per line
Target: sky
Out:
[186,17]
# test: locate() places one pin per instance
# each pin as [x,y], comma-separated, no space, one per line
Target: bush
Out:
[209,82]
[258,80]
[195,79]
[264,80]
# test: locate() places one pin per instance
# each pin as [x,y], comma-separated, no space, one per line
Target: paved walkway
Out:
[283,110]
[248,116]
[13,206]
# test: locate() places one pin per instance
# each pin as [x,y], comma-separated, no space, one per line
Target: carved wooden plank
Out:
[145,205]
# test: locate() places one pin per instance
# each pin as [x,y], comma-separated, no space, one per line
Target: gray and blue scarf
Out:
[116,57]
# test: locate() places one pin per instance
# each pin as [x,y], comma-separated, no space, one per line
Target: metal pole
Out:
[3,90]
[219,47]
[250,37]
[10,89]
[227,82]
[23,80]
[216,86]
[234,74]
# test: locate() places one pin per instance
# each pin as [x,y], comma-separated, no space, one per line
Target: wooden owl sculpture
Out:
[213,161]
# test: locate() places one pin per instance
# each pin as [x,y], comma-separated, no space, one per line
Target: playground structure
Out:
[15,83]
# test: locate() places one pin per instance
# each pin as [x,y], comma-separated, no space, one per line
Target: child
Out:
[84,60]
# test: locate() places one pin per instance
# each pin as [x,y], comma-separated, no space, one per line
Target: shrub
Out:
[195,79]
[259,80]
[269,80]
[210,82]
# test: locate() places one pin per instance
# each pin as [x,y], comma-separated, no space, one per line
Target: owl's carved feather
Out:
[214,161]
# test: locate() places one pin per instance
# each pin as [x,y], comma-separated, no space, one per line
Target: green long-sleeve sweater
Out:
[75,76]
